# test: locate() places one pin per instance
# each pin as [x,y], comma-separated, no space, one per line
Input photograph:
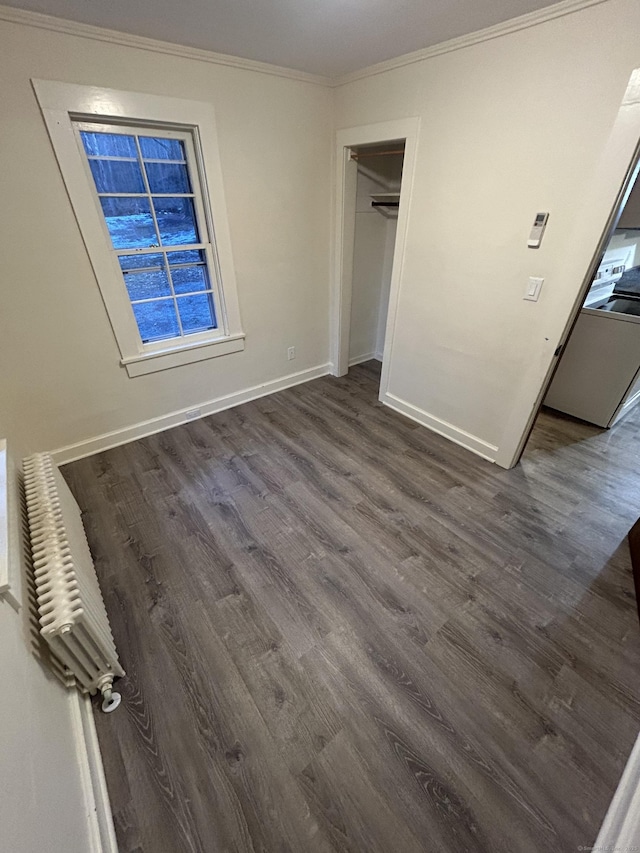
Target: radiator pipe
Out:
[110,698]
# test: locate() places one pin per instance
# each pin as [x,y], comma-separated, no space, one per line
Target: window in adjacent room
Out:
[148,198]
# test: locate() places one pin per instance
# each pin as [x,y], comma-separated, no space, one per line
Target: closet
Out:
[377,201]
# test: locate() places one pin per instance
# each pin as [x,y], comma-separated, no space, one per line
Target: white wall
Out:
[387,268]
[61,381]
[368,261]
[43,805]
[509,127]
[372,257]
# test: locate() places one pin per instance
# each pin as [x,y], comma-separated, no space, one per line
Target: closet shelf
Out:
[386,203]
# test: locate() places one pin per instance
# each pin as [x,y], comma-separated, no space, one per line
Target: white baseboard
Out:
[454,433]
[358,359]
[131,433]
[102,836]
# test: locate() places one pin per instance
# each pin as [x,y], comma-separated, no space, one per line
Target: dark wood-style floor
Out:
[344,633]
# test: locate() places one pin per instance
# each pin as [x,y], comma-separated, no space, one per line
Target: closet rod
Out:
[355,156]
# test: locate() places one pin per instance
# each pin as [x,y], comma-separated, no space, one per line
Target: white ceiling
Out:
[328,37]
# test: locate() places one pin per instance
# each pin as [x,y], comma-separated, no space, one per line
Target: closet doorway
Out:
[378,181]
[375,166]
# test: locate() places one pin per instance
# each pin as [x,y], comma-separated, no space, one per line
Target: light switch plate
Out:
[532,292]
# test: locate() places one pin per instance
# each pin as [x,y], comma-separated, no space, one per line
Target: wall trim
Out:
[358,359]
[454,433]
[101,832]
[522,22]
[115,438]
[75,28]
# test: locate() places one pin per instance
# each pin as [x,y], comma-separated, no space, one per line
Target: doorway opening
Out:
[378,189]
[586,245]
[375,167]
[596,382]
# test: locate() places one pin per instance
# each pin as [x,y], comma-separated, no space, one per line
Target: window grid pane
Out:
[129,221]
[99,143]
[168,178]
[161,148]
[169,221]
[155,321]
[196,312]
[176,220]
[147,284]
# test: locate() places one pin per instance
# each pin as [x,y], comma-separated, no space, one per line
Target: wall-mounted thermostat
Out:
[539,224]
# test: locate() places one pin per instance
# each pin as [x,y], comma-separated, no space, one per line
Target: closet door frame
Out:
[404,130]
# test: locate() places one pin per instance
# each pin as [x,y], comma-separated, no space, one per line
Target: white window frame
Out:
[63,105]
[204,227]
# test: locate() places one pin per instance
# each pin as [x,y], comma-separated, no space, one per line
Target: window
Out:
[137,176]
[149,194]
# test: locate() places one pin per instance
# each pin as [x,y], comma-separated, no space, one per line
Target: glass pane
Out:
[157,148]
[156,320]
[196,313]
[147,285]
[189,279]
[193,256]
[176,221]
[117,176]
[167,178]
[129,222]
[109,144]
[140,261]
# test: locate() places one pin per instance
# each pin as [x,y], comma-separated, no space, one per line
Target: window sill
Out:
[151,362]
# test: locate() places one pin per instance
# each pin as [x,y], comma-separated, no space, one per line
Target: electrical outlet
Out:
[193,414]
[291,353]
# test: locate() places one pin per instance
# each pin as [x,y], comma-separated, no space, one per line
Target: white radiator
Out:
[73,619]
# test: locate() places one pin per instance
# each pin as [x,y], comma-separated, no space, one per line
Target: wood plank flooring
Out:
[344,633]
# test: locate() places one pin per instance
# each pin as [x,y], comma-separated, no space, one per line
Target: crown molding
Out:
[74,28]
[523,22]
